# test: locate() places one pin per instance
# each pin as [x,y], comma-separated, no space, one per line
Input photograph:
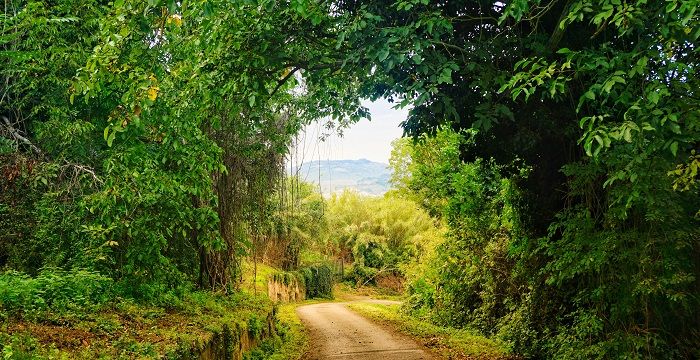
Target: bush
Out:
[53,290]
[318,280]
[421,297]
[362,275]
[372,251]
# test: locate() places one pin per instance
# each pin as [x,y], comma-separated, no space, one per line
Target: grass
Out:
[308,257]
[256,283]
[295,341]
[450,343]
[109,326]
[124,329]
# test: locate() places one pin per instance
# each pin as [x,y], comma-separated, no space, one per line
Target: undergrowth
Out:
[295,341]
[79,314]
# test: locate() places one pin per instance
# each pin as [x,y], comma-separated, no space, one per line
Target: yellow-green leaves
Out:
[686,174]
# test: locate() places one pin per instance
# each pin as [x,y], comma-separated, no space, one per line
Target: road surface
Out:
[336,332]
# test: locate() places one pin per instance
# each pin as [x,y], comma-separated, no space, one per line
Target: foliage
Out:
[318,281]
[376,232]
[116,327]
[557,143]
[298,225]
[372,251]
[427,169]
[361,275]
[381,236]
[53,290]
[156,167]
[479,208]
[486,277]
[295,340]
[576,118]
[266,350]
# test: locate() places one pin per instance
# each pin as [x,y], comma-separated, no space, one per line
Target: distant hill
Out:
[365,176]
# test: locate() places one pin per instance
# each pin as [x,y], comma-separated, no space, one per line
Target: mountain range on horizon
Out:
[365,176]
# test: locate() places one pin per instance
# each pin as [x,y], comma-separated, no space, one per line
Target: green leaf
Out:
[383,54]
[627,135]
[110,138]
[445,76]
[674,148]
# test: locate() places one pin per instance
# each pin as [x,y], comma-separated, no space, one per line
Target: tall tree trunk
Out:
[216,264]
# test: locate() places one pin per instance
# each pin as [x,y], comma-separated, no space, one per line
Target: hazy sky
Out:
[364,140]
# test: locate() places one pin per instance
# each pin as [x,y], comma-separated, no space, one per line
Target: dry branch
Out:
[17,136]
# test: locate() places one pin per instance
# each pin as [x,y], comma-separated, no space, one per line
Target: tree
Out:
[535,81]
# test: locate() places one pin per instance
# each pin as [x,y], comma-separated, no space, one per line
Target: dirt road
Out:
[338,333]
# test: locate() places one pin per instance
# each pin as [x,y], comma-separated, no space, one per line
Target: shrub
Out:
[318,280]
[53,290]
[362,275]
[372,251]
[421,297]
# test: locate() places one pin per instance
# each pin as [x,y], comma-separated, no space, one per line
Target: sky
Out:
[369,140]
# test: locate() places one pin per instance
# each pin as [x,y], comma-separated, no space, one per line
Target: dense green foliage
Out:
[299,223]
[131,147]
[541,294]
[379,236]
[144,142]
[572,234]
[53,290]
[316,280]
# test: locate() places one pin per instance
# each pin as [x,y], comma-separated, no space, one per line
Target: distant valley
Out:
[365,176]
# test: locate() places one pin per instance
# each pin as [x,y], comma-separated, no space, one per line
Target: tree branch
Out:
[18,137]
[78,168]
[559,29]
[284,80]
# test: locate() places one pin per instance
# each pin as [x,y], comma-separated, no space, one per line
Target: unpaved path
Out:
[336,332]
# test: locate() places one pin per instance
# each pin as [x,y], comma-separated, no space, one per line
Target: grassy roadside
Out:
[255,276]
[295,341]
[124,329]
[450,343]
